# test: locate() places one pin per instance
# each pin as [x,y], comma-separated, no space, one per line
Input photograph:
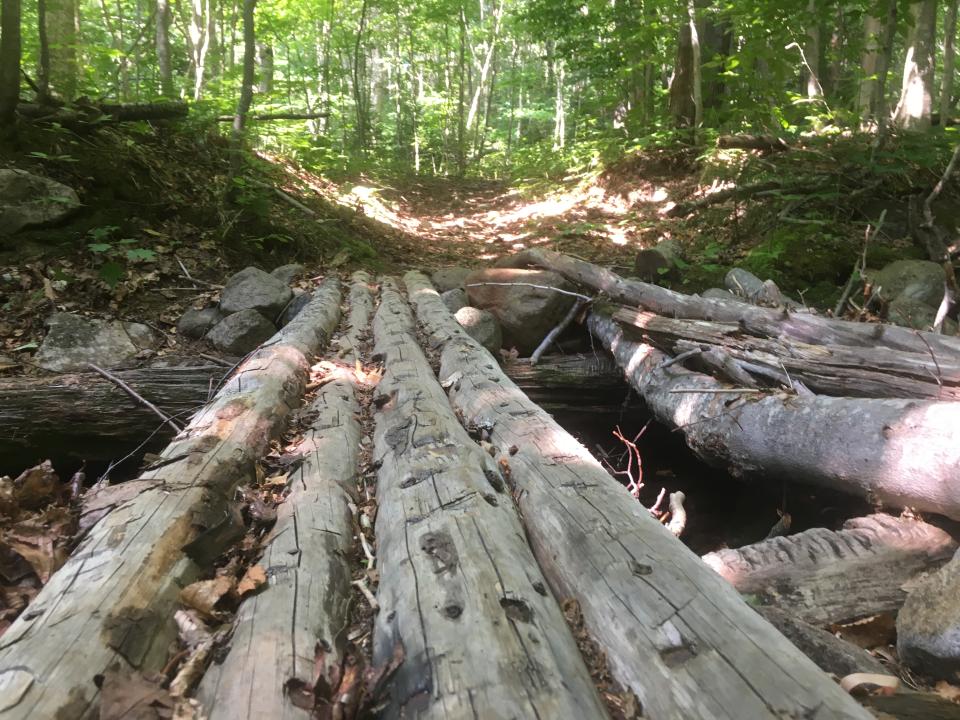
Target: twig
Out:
[214,359]
[717,391]
[938,188]
[136,396]
[678,514]
[202,282]
[186,273]
[371,560]
[859,266]
[685,355]
[561,326]
[361,585]
[585,298]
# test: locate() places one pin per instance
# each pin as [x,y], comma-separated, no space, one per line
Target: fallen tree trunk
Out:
[759,321]
[83,416]
[902,453]
[111,604]
[831,370]
[765,143]
[460,591]
[825,577]
[268,117]
[306,604]
[673,632]
[98,113]
[575,383]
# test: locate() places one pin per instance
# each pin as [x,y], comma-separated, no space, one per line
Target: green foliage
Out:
[115,258]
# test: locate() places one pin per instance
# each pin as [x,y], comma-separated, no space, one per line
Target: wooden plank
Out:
[306,558]
[825,577]
[112,603]
[674,632]
[459,588]
[899,452]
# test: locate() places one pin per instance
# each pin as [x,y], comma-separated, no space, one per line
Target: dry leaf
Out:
[253,579]
[37,486]
[947,691]
[875,631]
[132,696]
[885,684]
[205,594]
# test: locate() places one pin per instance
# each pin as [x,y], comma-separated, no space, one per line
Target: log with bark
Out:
[111,605]
[84,115]
[83,416]
[272,117]
[673,631]
[825,577]
[582,383]
[305,604]
[460,591]
[764,143]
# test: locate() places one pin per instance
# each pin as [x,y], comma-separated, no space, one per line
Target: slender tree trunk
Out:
[359,81]
[461,102]
[43,64]
[9,66]
[686,101]
[559,108]
[949,62]
[63,28]
[163,48]
[914,109]
[265,62]
[246,93]
[485,68]
[811,53]
[870,63]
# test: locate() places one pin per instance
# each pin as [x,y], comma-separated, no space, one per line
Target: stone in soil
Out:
[920,280]
[28,200]
[254,289]
[449,278]
[197,323]
[241,332]
[482,326]
[455,299]
[288,273]
[526,314]
[916,314]
[73,342]
[928,625]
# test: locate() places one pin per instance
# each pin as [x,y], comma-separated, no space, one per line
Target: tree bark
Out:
[162,40]
[588,383]
[63,29]
[43,59]
[914,109]
[112,603]
[705,653]
[949,62]
[812,52]
[824,577]
[246,94]
[265,62]
[9,65]
[460,590]
[686,106]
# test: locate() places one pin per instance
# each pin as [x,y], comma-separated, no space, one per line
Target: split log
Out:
[459,590]
[305,605]
[760,321]
[840,370]
[673,632]
[587,383]
[825,577]
[82,416]
[111,604]
[902,453]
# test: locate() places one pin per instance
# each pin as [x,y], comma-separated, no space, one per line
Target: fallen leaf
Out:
[875,631]
[132,696]
[884,684]
[252,579]
[947,691]
[37,486]
[205,594]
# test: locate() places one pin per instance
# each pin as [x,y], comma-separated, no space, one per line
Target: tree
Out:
[246,93]
[163,48]
[949,58]
[9,65]
[63,31]
[686,104]
[916,94]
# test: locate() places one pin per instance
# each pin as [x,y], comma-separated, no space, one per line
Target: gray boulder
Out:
[28,200]
[526,314]
[920,280]
[74,341]
[300,301]
[241,332]
[449,278]
[455,299]
[928,625]
[253,289]
[197,323]
[916,314]
[288,273]
[482,326]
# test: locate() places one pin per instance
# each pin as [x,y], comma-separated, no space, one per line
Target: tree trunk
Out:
[265,62]
[43,59]
[589,383]
[460,590]
[914,109]
[63,29]
[812,52]
[825,577]
[246,93]
[705,653]
[111,605]
[163,49]
[360,94]
[9,65]
[949,60]
[686,105]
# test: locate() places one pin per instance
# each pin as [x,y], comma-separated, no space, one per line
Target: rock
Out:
[241,332]
[652,264]
[526,314]
[916,314]
[449,278]
[197,323]
[288,273]
[455,299]
[74,341]
[300,301]
[928,624]
[920,280]
[253,289]
[482,326]
[28,200]
[759,292]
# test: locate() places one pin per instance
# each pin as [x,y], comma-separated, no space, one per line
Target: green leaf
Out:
[111,273]
[141,254]
[25,346]
[100,247]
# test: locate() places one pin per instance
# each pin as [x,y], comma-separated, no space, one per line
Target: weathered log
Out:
[765,143]
[760,321]
[736,192]
[98,113]
[112,603]
[270,117]
[839,370]
[654,262]
[902,453]
[82,416]
[824,577]
[459,587]
[830,653]
[673,632]
[306,602]
[583,383]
